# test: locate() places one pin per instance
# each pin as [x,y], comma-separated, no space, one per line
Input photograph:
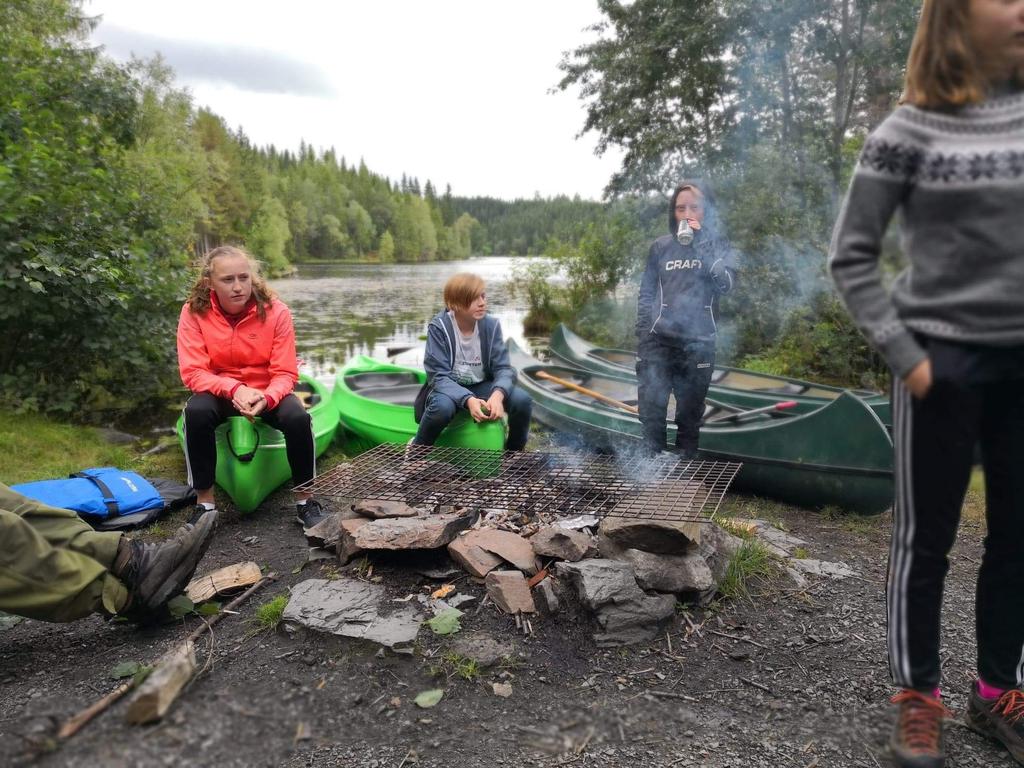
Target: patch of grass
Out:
[362,567]
[974,502]
[754,508]
[330,572]
[269,614]
[34,447]
[800,553]
[464,667]
[850,521]
[751,561]
[732,526]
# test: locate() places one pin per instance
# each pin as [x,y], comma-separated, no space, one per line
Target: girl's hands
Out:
[919,380]
[249,401]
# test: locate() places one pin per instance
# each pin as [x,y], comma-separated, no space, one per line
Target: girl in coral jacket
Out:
[236,353]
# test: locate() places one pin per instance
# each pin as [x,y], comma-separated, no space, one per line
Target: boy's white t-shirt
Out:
[469,363]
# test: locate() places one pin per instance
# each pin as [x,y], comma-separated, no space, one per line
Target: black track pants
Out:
[934,441]
[682,371]
[204,412]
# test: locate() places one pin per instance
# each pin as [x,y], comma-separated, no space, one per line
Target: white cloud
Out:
[455,91]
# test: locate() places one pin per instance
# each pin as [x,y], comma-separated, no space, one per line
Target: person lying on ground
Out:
[468,367]
[55,567]
[236,353]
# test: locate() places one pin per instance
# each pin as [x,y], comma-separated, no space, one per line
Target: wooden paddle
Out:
[589,392]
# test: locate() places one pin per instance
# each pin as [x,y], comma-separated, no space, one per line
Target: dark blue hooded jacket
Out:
[439,358]
[679,287]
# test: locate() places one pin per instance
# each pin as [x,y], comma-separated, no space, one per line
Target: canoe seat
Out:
[785,389]
[358,381]
[401,395]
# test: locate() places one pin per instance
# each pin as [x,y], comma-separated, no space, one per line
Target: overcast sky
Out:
[455,91]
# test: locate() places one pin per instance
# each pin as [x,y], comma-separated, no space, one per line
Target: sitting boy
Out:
[468,367]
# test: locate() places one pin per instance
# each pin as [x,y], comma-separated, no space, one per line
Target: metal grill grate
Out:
[559,482]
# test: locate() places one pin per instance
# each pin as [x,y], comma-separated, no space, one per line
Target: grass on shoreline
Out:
[33,447]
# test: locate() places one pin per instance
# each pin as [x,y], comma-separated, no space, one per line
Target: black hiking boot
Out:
[310,514]
[156,572]
[1002,720]
[916,740]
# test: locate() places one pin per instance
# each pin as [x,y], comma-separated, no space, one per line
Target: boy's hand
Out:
[919,380]
[475,407]
[496,404]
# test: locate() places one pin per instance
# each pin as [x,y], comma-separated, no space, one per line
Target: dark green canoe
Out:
[251,458]
[748,389]
[375,402]
[839,455]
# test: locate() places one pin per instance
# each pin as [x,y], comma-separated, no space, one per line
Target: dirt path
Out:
[807,688]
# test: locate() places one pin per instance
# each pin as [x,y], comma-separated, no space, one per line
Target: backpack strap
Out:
[108,496]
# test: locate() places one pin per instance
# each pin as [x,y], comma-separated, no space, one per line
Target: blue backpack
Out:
[106,497]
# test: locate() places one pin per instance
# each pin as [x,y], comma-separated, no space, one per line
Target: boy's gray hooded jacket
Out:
[439,359]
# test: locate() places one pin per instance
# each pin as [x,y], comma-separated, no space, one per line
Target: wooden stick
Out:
[589,392]
[76,723]
[158,691]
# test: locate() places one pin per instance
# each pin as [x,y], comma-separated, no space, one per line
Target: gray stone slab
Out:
[353,609]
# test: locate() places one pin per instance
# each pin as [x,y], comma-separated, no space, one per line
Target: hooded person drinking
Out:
[687,270]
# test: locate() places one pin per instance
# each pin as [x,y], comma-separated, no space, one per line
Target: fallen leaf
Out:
[125,669]
[443,591]
[429,698]
[180,606]
[446,622]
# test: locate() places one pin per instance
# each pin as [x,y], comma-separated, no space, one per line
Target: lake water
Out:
[342,310]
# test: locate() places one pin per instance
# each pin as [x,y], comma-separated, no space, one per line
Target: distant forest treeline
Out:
[112,182]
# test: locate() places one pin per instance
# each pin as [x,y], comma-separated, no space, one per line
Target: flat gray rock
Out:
[354,609]
[667,573]
[383,509]
[483,648]
[428,532]
[666,537]
[830,570]
[564,544]
[625,614]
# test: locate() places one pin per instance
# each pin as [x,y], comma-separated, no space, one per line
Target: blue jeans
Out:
[441,409]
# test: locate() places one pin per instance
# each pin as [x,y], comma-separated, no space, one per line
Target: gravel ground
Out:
[784,677]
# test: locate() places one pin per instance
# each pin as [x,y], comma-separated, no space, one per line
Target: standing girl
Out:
[951,162]
[675,319]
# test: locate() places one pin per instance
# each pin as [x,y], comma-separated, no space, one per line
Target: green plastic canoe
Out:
[748,389]
[839,455]
[375,402]
[251,458]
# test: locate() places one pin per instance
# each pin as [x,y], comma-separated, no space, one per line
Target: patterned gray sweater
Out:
[957,179]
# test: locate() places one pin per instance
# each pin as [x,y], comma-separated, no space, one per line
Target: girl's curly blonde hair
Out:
[199,300]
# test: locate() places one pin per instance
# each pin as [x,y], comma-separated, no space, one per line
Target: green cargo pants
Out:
[53,566]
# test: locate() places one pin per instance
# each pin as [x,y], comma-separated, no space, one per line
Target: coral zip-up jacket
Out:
[216,357]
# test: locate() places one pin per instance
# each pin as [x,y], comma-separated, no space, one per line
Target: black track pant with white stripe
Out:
[934,442]
[204,412]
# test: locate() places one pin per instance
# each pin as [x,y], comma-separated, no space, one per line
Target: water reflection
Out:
[342,310]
